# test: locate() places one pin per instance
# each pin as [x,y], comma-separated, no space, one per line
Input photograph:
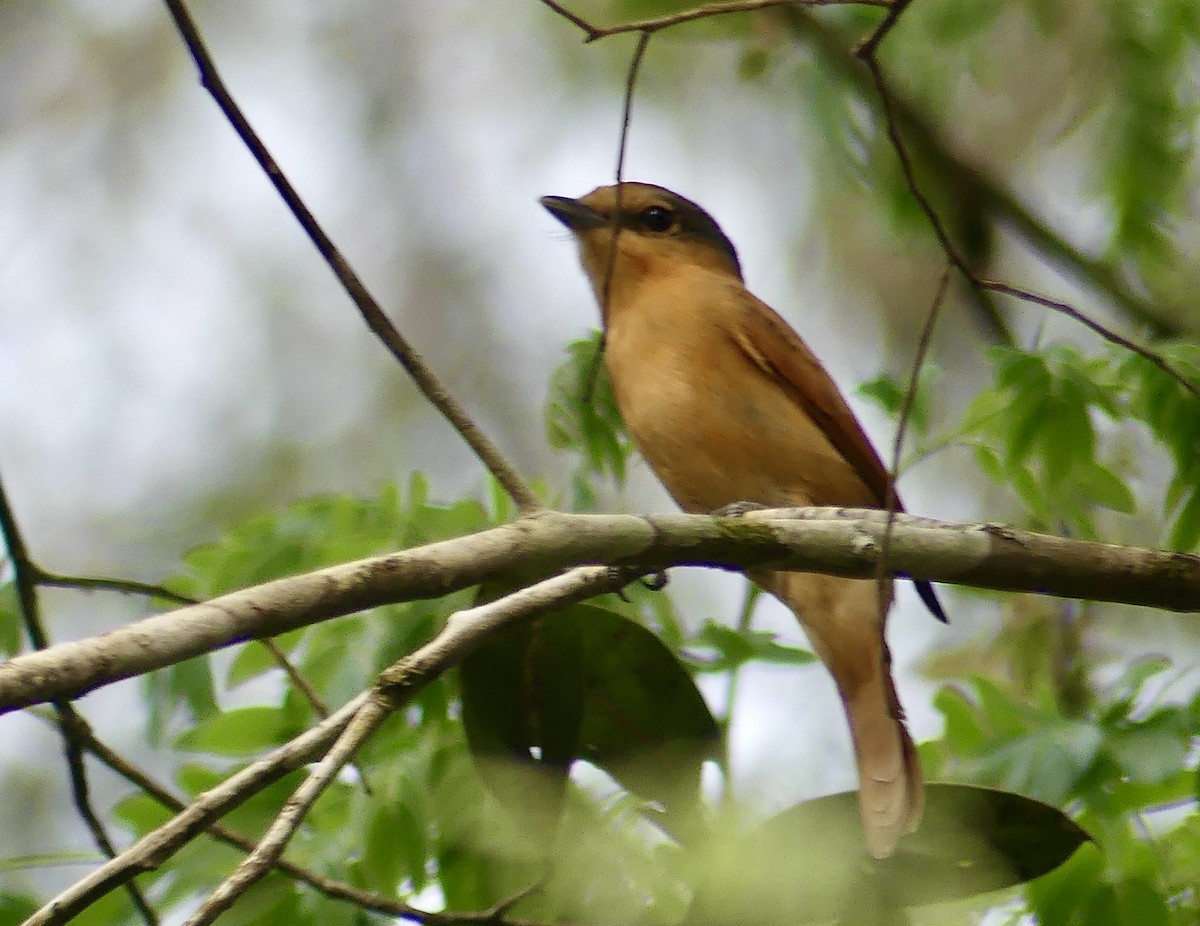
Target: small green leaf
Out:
[1185,533]
[1103,487]
[241,732]
[734,648]
[989,463]
[885,392]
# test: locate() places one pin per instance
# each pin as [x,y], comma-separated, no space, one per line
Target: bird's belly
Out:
[714,438]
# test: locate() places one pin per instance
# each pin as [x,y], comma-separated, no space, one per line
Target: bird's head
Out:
[655,231]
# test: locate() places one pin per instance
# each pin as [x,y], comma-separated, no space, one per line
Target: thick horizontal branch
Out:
[836,541]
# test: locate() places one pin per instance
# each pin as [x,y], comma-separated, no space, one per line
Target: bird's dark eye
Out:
[657,219]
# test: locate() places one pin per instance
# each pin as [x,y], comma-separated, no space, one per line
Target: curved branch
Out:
[837,541]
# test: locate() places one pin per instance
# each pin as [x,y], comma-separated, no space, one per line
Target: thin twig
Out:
[260,861]
[955,256]
[708,10]
[303,685]
[25,576]
[488,453]
[152,849]
[867,48]
[330,887]
[882,574]
[1106,333]
[973,182]
[395,687]
[106,584]
[610,264]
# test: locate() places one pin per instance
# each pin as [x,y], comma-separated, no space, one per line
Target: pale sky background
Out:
[175,357]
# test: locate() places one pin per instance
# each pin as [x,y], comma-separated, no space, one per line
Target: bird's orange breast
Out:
[715,427]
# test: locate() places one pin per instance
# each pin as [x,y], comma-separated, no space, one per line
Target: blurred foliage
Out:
[1056,427]
[582,418]
[568,755]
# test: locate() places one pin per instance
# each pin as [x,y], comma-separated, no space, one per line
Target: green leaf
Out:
[809,864]
[1103,487]
[582,416]
[11,628]
[1185,533]
[1152,750]
[734,648]
[885,392]
[1054,897]
[240,732]
[141,813]
[16,908]
[590,684]
[254,659]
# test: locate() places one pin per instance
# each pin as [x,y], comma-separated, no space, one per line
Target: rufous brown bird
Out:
[728,404]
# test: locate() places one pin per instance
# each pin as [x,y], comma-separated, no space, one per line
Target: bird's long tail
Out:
[843,622]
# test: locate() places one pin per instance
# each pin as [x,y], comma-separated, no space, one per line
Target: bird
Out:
[729,406]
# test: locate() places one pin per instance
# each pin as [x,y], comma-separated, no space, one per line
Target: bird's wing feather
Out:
[772,345]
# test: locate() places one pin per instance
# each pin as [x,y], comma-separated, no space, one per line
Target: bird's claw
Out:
[737,509]
[623,575]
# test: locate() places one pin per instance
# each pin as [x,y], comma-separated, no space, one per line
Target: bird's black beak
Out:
[572,213]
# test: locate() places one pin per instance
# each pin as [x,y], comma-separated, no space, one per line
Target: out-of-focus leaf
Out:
[888,393]
[189,683]
[1185,533]
[15,908]
[141,813]
[240,732]
[734,648]
[11,631]
[582,416]
[1153,749]
[589,684]
[522,699]
[254,659]
[1054,897]
[1104,487]
[809,863]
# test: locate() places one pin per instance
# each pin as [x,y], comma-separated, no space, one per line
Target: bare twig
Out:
[867,48]
[997,200]
[106,584]
[593,32]
[906,406]
[955,256]
[25,577]
[1106,333]
[364,722]
[303,685]
[635,64]
[488,453]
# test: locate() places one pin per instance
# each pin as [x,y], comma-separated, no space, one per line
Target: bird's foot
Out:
[656,581]
[737,509]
